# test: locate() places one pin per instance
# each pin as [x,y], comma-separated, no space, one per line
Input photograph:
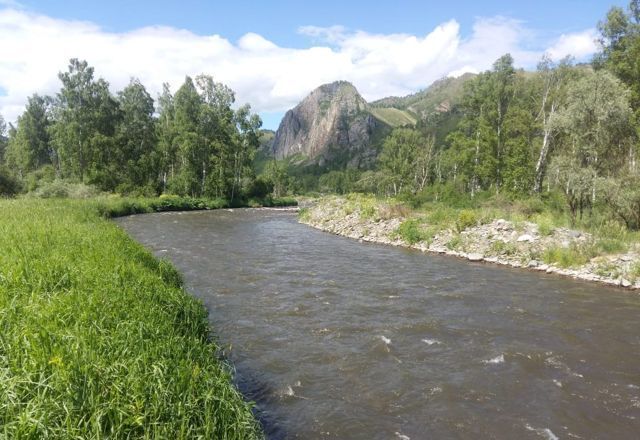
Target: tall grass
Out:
[97,337]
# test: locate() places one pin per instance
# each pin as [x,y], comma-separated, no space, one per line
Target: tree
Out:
[471,157]
[551,83]
[502,92]
[30,147]
[425,154]
[166,137]
[620,48]
[599,137]
[187,114]
[277,176]
[136,138]
[403,159]
[85,120]
[246,143]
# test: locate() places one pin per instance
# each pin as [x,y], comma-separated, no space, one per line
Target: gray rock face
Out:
[331,125]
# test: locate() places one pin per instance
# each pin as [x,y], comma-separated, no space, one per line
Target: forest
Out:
[192,143]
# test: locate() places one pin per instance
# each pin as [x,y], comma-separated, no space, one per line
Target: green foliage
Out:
[59,189]
[410,231]
[9,184]
[500,247]
[455,243]
[466,219]
[545,225]
[620,42]
[406,160]
[565,257]
[304,214]
[98,338]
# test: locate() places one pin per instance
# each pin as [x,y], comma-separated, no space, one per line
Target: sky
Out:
[273,53]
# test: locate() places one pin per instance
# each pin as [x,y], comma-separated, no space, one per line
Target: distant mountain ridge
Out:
[334,126]
[439,97]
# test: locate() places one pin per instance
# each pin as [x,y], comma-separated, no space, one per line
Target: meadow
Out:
[98,338]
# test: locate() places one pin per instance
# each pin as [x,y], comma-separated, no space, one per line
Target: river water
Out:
[337,339]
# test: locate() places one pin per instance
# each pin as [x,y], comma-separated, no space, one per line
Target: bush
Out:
[531,206]
[59,189]
[545,225]
[9,184]
[466,219]
[304,214]
[409,231]
[566,257]
[259,188]
[500,247]
[44,174]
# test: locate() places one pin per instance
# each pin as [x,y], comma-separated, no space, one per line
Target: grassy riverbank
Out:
[521,234]
[97,337]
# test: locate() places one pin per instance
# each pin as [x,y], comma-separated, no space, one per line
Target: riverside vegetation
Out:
[99,339]
[528,234]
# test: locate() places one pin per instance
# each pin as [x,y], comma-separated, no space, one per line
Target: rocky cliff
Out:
[335,127]
[331,126]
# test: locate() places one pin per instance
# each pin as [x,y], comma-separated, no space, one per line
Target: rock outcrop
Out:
[332,125]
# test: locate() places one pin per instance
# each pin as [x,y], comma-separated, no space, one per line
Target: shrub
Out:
[9,184]
[466,219]
[545,225]
[565,257]
[531,206]
[441,215]
[60,189]
[409,231]
[610,246]
[500,247]
[260,188]
[454,243]
[304,214]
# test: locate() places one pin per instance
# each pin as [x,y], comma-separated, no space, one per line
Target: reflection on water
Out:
[337,339]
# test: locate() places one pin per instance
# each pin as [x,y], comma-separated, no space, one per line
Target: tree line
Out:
[188,143]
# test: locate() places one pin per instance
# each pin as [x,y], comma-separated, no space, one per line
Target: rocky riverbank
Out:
[516,244]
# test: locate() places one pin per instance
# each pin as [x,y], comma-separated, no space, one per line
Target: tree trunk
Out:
[541,165]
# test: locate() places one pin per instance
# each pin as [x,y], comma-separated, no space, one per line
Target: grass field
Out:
[97,337]
[394,117]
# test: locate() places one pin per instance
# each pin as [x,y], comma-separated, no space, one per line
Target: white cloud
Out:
[270,77]
[579,45]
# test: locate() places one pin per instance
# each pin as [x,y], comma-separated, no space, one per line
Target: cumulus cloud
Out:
[270,77]
[579,45]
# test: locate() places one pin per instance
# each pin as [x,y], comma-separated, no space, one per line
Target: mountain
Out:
[331,126]
[440,97]
[335,127]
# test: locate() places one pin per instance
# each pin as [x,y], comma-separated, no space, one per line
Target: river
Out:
[335,339]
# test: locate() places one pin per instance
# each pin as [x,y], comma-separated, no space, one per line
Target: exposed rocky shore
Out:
[504,242]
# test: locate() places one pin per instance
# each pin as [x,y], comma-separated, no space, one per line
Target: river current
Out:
[335,339]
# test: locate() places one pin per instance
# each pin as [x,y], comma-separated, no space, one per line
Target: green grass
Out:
[566,257]
[98,339]
[394,117]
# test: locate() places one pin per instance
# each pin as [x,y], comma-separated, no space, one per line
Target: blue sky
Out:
[279,20]
[273,53]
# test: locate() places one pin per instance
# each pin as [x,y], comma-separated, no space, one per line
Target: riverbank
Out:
[98,338]
[520,243]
